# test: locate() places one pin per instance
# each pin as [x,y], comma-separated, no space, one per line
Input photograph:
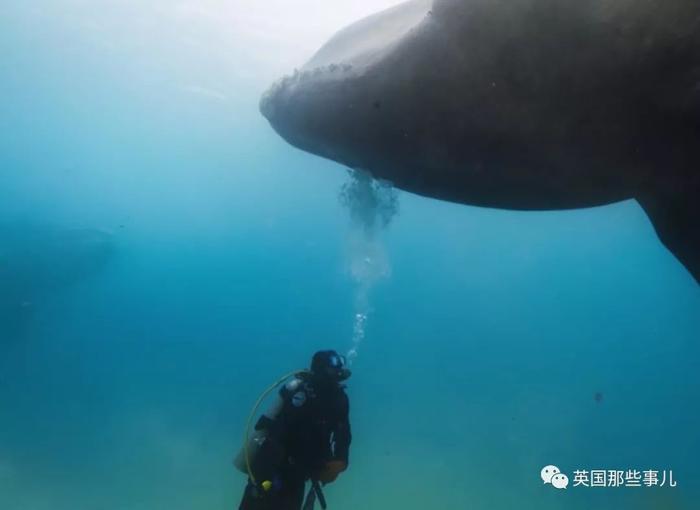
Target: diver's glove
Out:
[331,470]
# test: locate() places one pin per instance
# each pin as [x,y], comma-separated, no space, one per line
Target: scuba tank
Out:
[255,440]
[252,443]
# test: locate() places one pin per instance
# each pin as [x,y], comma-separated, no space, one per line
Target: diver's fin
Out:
[675,213]
[310,499]
[315,492]
[316,486]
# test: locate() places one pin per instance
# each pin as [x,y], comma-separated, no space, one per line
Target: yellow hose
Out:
[251,417]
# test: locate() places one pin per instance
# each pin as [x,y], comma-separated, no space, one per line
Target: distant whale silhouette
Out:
[518,104]
[36,260]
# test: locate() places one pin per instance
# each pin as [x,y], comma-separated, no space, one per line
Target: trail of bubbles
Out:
[371,205]
[369,265]
[358,335]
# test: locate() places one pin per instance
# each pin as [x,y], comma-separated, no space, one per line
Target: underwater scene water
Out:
[165,256]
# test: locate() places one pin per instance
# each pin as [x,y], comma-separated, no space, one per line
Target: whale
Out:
[39,260]
[514,104]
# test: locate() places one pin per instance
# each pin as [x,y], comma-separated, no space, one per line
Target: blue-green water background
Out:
[128,387]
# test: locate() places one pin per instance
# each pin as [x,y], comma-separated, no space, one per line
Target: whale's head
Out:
[319,107]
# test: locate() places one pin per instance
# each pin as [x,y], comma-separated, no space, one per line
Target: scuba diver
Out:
[304,437]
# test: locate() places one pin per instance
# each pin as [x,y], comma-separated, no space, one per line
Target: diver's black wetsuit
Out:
[312,429]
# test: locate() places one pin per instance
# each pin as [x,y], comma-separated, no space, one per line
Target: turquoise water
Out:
[165,256]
